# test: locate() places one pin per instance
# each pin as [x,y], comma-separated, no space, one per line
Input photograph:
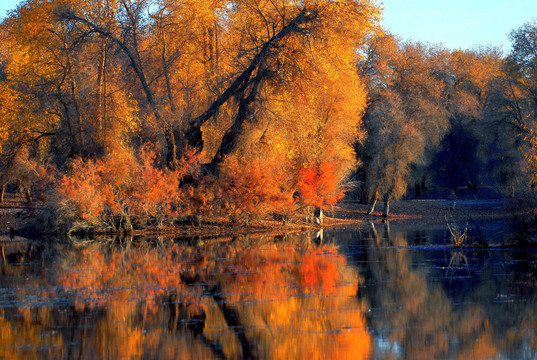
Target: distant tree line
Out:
[448,119]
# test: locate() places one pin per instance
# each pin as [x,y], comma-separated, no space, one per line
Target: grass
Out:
[458,237]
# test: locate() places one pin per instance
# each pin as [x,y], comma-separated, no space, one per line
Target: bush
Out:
[318,184]
[117,192]
[252,189]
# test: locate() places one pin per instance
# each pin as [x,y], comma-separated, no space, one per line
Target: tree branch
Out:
[193,134]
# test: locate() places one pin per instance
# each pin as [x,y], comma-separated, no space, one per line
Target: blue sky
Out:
[454,23]
[6,5]
[458,23]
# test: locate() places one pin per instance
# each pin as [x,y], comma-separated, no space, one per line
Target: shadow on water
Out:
[377,292]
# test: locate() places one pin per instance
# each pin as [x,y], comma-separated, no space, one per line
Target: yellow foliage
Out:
[26,340]
[291,301]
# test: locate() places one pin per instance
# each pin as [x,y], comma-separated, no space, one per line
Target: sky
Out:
[457,24]
[6,5]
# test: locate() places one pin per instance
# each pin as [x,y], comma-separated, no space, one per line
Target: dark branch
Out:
[193,134]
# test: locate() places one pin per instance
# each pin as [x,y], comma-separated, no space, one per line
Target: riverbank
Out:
[15,214]
[19,219]
[427,212]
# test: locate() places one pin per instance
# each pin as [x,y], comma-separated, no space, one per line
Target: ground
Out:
[427,211]
[15,213]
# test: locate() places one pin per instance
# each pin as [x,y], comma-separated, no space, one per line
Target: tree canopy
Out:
[223,96]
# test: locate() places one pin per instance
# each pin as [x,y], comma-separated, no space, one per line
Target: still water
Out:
[375,292]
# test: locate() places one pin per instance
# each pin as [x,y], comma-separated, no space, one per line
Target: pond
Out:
[373,292]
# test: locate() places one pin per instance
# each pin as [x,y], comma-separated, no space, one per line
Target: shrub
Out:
[118,191]
[319,185]
[252,189]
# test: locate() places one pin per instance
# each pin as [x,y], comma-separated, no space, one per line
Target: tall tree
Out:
[467,149]
[405,114]
[126,33]
[522,92]
[286,44]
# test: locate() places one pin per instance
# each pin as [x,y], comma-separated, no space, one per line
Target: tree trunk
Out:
[101,88]
[2,192]
[231,137]
[386,210]
[78,113]
[193,133]
[75,98]
[418,189]
[171,150]
[318,216]
[373,202]
[166,70]
[65,111]
[364,194]
[28,195]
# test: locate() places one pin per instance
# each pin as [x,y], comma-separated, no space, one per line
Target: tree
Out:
[133,23]
[293,40]
[405,114]
[521,94]
[246,79]
[466,151]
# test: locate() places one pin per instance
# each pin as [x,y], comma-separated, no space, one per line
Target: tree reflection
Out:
[241,298]
[415,318]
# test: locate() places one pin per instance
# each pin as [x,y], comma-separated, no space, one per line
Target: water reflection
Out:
[240,298]
[435,302]
[376,292]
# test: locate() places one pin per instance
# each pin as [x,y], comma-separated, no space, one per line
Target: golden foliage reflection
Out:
[245,298]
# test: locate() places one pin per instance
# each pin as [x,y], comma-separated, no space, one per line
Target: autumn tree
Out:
[125,31]
[283,47]
[250,80]
[520,97]
[29,108]
[405,114]
[467,151]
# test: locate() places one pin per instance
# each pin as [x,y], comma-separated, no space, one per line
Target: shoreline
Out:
[14,215]
[429,212]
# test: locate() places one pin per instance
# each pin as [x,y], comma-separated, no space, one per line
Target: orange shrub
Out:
[252,188]
[319,185]
[80,198]
[121,187]
[149,193]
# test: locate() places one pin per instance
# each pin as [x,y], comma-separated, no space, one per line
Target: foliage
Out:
[87,80]
[523,86]
[318,184]
[406,114]
[119,190]
[239,84]
[253,188]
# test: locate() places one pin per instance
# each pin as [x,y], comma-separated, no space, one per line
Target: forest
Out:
[127,114]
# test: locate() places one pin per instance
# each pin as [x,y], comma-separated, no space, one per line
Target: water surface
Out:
[375,292]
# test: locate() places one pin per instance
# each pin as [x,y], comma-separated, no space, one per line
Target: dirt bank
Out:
[14,213]
[427,211]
